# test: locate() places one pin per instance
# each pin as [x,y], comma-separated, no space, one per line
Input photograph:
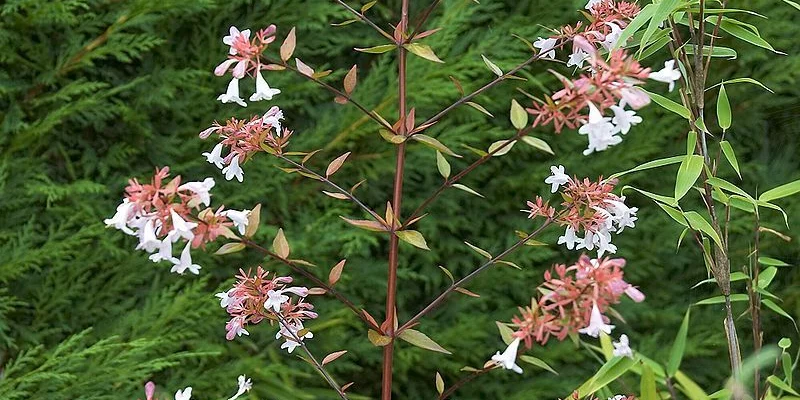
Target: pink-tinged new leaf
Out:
[336,164]
[316,291]
[350,79]
[336,272]
[340,100]
[303,68]
[287,48]
[340,196]
[347,386]
[427,33]
[333,356]
[466,292]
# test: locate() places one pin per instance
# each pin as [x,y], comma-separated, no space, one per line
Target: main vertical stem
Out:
[397,197]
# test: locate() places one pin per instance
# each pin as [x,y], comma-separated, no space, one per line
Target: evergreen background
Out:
[94,92]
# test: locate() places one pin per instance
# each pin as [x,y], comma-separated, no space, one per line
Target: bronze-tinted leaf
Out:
[377,339]
[333,356]
[350,80]
[366,224]
[336,164]
[303,68]
[280,245]
[336,272]
[287,48]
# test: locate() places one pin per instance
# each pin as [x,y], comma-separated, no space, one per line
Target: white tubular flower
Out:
[623,216]
[596,324]
[600,130]
[275,298]
[569,238]
[234,34]
[245,384]
[622,348]
[508,358]
[232,94]
[185,262]
[577,58]
[289,332]
[121,217]
[185,394]
[164,249]
[215,157]
[201,189]
[273,117]
[546,47]
[233,170]
[239,218]
[623,118]
[180,227]
[263,91]
[667,75]
[557,178]
[147,237]
[224,298]
[611,39]
[591,3]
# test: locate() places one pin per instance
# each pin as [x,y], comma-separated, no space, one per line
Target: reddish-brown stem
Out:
[338,188]
[424,17]
[366,20]
[397,197]
[313,360]
[470,276]
[455,178]
[452,389]
[335,91]
[328,289]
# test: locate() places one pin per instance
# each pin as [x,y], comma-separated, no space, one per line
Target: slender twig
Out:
[713,36]
[461,282]
[321,369]
[366,20]
[463,381]
[302,271]
[335,91]
[671,388]
[755,303]
[397,197]
[338,188]
[455,178]
[424,17]
[430,121]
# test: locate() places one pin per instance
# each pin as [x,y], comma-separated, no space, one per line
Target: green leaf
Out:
[678,346]
[699,223]
[727,150]
[229,248]
[661,13]
[606,345]
[717,52]
[537,144]
[479,108]
[785,343]
[518,115]
[742,80]
[689,387]
[647,385]
[735,29]
[688,172]
[779,384]
[479,250]
[421,340]
[780,311]
[772,262]
[377,339]
[786,362]
[723,109]
[669,105]
[377,49]
[442,165]
[766,276]
[280,245]
[651,164]
[431,142]
[439,383]
[637,23]
[492,67]
[721,299]
[610,371]
[503,145]
[423,50]
[537,362]
[725,185]
[792,3]
[466,189]
[781,191]
[674,213]
[413,237]
[506,333]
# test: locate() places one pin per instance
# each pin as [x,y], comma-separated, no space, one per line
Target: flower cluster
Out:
[573,301]
[606,85]
[246,53]
[245,384]
[589,208]
[243,138]
[161,213]
[260,296]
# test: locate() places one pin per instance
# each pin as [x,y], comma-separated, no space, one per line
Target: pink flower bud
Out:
[240,69]
[222,68]
[149,390]
[634,294]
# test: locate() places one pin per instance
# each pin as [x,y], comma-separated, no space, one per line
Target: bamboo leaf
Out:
[727,150]
[688,172]
[723,109]
[678,346]
[781,191]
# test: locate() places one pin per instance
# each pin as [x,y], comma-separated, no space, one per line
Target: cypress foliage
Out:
[93,92]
